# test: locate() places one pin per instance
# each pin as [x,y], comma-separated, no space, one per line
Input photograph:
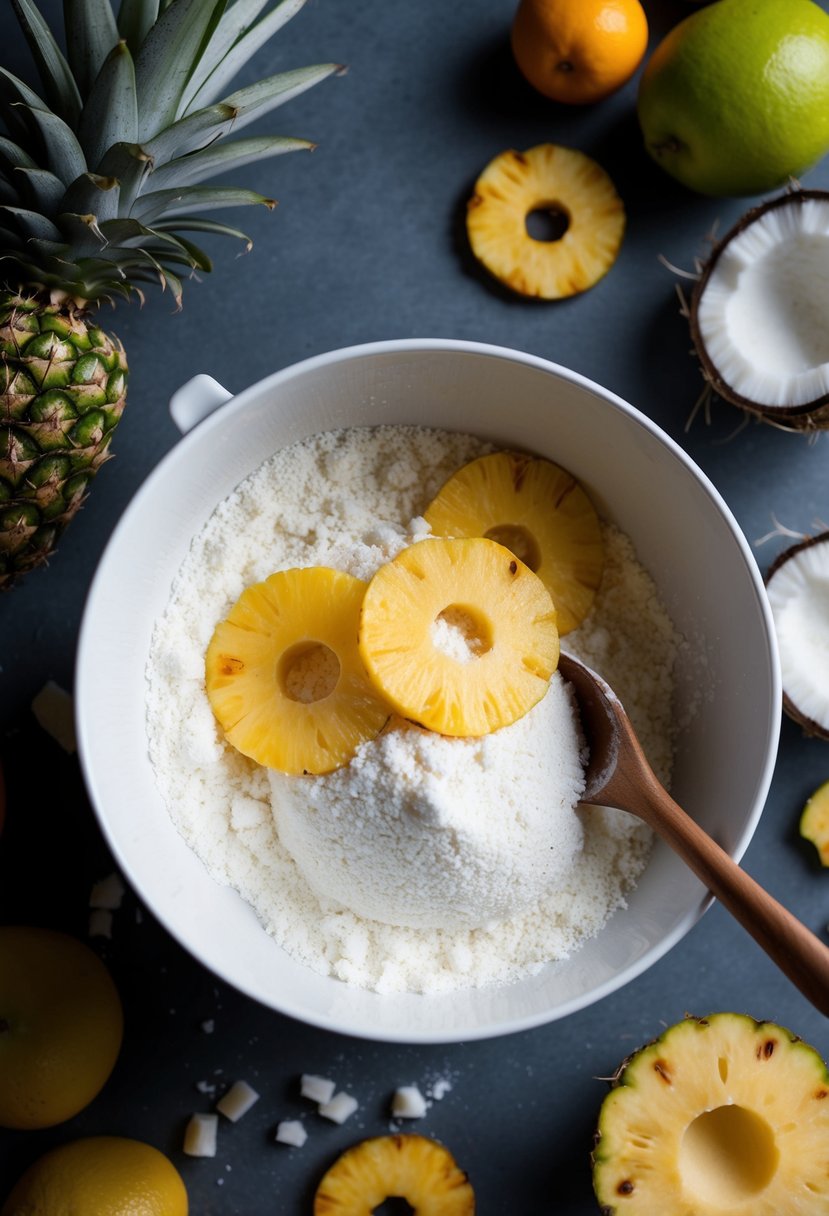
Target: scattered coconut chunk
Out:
[798,591]
[318,1089]
[208,1025]
[206,1087]
[100,923]
[107,893]
[408,1103]
[440,1088]
[291,1131]
[200,1136]
[55,714]
[237,1101]
[341,1107]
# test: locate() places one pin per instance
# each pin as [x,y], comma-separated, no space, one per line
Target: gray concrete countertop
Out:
[368,243]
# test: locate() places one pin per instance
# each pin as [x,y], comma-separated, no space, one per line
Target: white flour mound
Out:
[351,500]
[431,832]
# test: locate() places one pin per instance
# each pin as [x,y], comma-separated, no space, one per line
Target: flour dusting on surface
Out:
[351,500]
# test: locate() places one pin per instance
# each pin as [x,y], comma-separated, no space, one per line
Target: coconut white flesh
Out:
[762,314]
[799,595]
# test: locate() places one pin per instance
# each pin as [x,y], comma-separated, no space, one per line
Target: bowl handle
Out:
[195,400]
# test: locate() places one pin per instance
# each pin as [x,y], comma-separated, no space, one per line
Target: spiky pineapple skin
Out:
[63,384]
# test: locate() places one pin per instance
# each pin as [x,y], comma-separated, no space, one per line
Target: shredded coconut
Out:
[351,500]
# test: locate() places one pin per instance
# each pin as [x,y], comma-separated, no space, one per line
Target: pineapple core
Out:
[284,675]
[540,513]
[459,635]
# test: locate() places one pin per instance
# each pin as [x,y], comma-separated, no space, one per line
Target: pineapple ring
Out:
[538,511]
[284,676]
[459,635]
[564,183]
[410,1167]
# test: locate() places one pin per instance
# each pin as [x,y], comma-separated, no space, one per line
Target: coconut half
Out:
[759,313]
[797,584]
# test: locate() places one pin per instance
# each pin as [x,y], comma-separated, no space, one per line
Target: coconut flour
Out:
[446,837]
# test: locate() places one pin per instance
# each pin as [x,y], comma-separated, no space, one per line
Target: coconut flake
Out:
[408,1103]
[55,713]
[200,1136]
[341,1107]
[291,1131]
[237,1101]
[318,1089]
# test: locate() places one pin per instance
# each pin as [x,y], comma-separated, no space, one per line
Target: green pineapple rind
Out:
[62,391]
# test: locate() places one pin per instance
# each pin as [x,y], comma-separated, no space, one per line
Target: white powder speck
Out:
[351,500]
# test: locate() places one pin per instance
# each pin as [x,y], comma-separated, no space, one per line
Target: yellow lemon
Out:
[100,1176]
[60,1026]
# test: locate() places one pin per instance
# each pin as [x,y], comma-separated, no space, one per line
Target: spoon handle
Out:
[794,948]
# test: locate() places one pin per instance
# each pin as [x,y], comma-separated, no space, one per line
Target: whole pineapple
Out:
[100,179]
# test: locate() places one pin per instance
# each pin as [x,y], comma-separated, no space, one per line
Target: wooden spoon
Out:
[618,775]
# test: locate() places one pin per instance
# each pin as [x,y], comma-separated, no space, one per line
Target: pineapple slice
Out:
[413,1168]
[459,635]
[539,512]
[549,179]
[284,675]
[814,822]
[720,1116]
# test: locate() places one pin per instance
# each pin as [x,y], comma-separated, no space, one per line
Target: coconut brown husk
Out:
[812,415]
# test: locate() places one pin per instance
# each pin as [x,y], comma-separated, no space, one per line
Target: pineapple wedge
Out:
[720,1116]
[413,1168]
[284,675]
[814,822]
[459,635]
[571,187]
[538,511]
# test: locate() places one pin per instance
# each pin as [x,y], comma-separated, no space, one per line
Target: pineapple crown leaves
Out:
[102,174]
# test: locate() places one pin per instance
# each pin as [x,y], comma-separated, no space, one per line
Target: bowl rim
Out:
[84,666]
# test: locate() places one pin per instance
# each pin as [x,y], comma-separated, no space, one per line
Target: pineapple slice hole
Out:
[308,672]
[519,540]
[461,633]
[727,1155]
[547,221]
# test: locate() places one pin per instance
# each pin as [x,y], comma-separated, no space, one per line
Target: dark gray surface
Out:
[368,243]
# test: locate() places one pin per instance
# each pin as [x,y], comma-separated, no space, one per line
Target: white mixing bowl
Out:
[684,534]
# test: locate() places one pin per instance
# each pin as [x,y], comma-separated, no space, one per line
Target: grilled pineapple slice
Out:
[538,511]
[407,1167]
[565,183]
[720,1116]
[284,676]
[459,635]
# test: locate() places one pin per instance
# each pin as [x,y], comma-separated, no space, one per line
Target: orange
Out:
[60,1026]
[579,51]
[99,1176]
